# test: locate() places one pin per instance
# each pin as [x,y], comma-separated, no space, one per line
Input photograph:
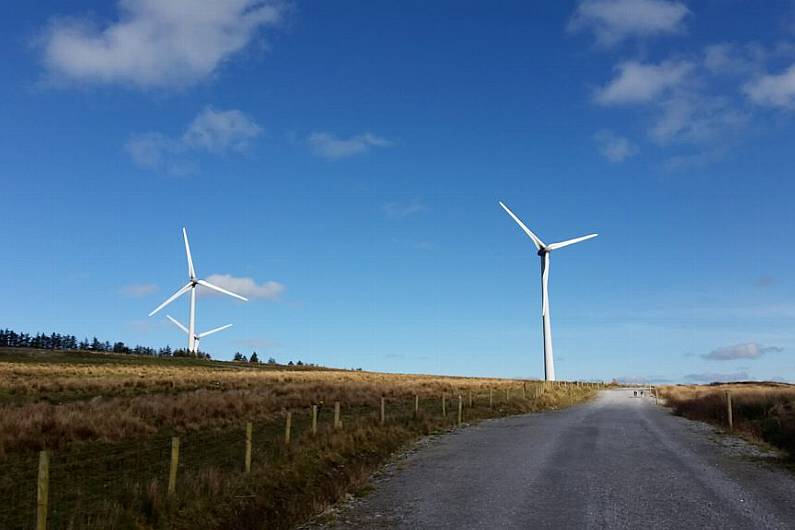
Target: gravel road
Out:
[615,462]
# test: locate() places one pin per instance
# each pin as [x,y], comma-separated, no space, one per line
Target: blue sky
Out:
[341,164]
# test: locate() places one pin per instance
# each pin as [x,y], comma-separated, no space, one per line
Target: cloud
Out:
[212,131]
[220,131]
[716,378]
[138,290]
[696,118]
[642,83]
[685,105]
[399,210]
[328,146]
[613,21]
[245,286]
[773,90]
[154,43]
[727,58]
[750,350]
[613,147]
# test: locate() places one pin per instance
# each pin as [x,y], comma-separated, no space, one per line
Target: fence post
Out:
[524,390]
[460,409]
[416,404]
[42,490]
[491,398]
[248,447]
[444,405]
[470,399]
[336,415]
[729,410]
[172,472]
[507,394]
[656,396]
[287,428]
[383,410]
[314,420]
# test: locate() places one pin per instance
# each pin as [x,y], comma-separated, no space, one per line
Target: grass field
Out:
[107,422]
[761,411]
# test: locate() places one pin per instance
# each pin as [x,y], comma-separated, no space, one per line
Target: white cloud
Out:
[212,131]
[245,286]
[695,118]
[642,83]
[773,90]
[613,147]
[155,43]
[138,290]
[399,210]
[220,131]
[750,350]
[727,58]
[613,21]
[710,377]
[329,146]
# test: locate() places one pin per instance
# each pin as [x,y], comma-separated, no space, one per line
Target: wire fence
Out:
[87,485]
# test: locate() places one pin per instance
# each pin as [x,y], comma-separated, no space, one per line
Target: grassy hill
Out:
[107,422]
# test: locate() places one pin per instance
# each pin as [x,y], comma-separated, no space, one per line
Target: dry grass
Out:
[761,411]
[108,425]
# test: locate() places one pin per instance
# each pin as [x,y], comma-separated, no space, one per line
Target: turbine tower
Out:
[543,253]
[193,283]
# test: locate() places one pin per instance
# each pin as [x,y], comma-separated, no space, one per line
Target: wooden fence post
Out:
[507,394]
[416,404]
[383,410]
[314,420]
[337,415]
[444,405]
[42,490]
[248,447]
[524,390]
[172,472]
[491,398]
[729,410]
[460,409]
[288,424]
[470,399]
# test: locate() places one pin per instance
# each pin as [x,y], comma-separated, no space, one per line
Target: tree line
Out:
[58,341]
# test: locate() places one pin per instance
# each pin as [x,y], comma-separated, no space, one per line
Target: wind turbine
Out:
[198,336]
[543,252]
[193,283]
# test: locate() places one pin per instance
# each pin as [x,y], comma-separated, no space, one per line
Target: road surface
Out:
[615,462]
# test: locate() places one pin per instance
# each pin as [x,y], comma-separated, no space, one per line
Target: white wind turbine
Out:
[193,283]
[543,252]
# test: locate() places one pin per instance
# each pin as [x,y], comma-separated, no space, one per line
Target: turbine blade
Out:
[191,270]
[173,297]
[216,330]
[224,291]
[568,242]
[176,323]
[536,240]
